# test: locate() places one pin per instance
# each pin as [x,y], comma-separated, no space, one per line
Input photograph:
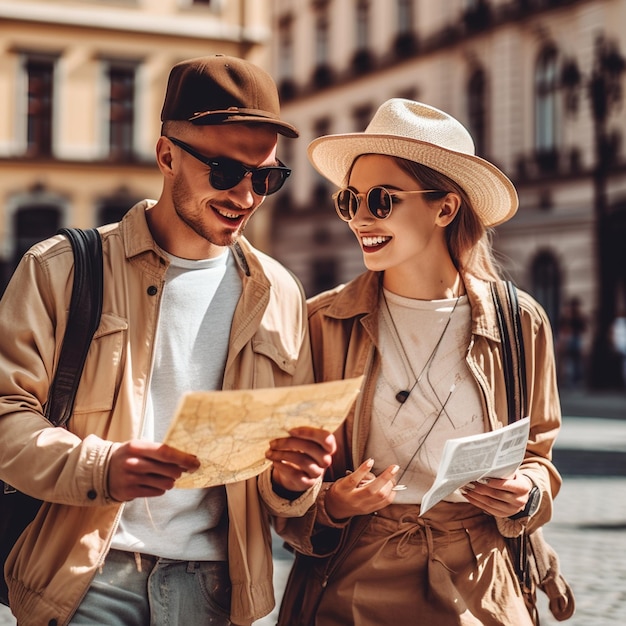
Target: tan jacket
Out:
[343,326]
[55,559]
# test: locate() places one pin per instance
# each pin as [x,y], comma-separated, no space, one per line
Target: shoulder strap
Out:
[513,357]
[83,319]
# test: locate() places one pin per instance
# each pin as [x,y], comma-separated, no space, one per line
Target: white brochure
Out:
[496,454]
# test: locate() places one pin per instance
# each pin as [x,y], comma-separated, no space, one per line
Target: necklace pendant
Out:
[402,396]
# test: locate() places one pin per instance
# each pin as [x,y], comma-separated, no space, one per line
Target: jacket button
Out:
[152,290]
[53,622]
[91,494]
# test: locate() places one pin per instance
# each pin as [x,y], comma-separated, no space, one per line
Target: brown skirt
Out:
[451,568]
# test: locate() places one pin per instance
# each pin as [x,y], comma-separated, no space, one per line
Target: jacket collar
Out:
[360,298]
[136,234]
[138,240]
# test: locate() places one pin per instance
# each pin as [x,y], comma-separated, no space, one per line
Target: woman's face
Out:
[412,236]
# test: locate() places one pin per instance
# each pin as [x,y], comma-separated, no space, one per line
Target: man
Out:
[188,305]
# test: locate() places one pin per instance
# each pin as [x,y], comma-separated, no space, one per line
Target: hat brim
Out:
[218,118]
[492,194]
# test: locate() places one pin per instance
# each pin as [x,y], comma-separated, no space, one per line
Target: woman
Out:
[421,325]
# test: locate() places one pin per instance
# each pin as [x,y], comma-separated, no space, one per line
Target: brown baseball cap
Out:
[221,89]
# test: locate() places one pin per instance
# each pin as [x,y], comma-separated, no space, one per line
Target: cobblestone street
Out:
[588,529]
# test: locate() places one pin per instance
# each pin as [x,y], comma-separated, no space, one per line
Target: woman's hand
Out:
[500,497]
[360,492]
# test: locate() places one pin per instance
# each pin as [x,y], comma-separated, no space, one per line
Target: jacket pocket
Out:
[96,390]
[278,358]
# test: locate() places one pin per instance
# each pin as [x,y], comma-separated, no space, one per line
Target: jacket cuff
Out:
[285,507]
[323,517]
[99,456]
[514,527]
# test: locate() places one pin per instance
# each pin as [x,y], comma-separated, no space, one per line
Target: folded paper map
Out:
[229,431]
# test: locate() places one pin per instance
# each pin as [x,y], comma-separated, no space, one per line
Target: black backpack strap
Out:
[83,319]
[513,356]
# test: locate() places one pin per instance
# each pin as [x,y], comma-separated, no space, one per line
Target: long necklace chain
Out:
[403,394]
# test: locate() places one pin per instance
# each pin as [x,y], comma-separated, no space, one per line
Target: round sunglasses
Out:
[379,201]
[226,173]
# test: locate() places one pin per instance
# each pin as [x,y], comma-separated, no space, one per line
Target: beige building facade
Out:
[82,85]
[515,72]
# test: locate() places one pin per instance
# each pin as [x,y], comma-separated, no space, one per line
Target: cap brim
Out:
[492,194]
[213,119]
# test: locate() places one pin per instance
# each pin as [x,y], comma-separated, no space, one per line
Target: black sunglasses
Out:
[226,173]
[379,201]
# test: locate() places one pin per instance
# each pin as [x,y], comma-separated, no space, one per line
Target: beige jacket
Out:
[54,561]
[343,327]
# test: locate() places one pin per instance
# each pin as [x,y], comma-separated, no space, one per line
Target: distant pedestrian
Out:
[571,331]
[619,341]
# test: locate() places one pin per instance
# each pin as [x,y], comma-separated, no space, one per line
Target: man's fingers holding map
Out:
[144,468]
[315,443]
[300,459]
[324,439]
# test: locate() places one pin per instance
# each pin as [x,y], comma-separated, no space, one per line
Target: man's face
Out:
[218,216]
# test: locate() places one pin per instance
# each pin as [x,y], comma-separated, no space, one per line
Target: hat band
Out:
[235,111]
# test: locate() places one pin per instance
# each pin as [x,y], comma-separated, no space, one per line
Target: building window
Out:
[214,5]
[362,25]
[323,74]
[285,49]
[321,40]
[112,211]
[404,21]
[285,60]
[546,89]
[546,284]
[40,85]
[321,188]
[113,207]
[362,116]
[121,112]
[405,41]
[476,14]
[362,60]
[324,275]
[477,110]
[33,223]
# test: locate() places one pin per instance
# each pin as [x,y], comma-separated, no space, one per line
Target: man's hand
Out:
[302,458]
[144,469]
[500,497]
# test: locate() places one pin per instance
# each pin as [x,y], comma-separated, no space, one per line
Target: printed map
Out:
[229,431]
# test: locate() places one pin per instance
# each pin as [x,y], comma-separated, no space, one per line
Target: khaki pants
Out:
[449,569]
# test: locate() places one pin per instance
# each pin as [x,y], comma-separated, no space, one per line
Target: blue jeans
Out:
[140,590]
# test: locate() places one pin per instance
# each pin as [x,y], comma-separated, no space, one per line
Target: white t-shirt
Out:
[190,350]
[445,403]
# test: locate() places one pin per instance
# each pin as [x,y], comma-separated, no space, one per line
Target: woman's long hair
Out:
[469,241]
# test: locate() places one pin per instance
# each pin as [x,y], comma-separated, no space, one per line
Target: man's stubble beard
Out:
[196,218]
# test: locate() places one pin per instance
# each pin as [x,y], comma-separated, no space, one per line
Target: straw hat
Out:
[421,133]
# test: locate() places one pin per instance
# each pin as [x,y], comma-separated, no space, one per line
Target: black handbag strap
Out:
[83,319]
[513,356]
[514,365]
